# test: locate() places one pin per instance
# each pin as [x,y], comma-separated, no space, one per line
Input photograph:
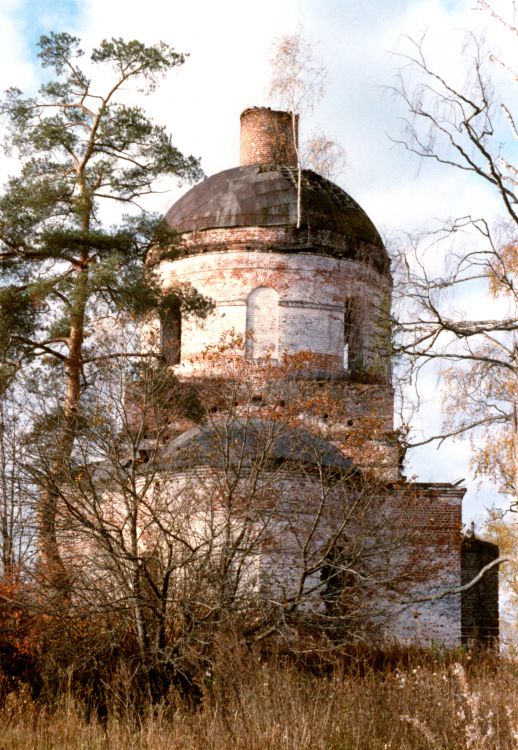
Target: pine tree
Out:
[80,149]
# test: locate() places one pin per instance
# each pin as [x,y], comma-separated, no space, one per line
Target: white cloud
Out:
[16,68]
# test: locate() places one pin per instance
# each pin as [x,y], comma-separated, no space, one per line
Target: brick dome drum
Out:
[284,283]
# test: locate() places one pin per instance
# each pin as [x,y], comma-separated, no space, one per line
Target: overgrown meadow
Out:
[253,700]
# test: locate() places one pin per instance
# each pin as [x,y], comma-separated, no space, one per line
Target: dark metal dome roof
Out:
[266,196]
[249,440]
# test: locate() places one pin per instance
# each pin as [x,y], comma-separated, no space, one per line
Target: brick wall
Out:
[431,519]
[269,239]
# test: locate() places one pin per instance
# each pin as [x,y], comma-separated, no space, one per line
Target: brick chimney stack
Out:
[267,137]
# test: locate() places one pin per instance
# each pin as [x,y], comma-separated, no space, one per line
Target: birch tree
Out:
[471,128]
[297,84]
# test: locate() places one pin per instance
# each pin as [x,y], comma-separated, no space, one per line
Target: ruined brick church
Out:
[299,334]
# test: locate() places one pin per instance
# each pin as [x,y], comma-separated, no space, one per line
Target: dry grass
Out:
[251,704]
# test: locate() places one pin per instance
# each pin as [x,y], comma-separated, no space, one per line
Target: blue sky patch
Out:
[45,16]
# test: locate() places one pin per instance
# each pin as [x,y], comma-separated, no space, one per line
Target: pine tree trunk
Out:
[53,568]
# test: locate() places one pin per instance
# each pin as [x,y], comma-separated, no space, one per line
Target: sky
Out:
[229,44]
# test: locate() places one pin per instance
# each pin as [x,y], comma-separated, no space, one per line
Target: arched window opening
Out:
[262,323]
[353,338]
[171,335]
[347,332]
[338,578]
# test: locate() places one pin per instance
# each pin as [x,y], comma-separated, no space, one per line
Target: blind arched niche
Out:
[262,323]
